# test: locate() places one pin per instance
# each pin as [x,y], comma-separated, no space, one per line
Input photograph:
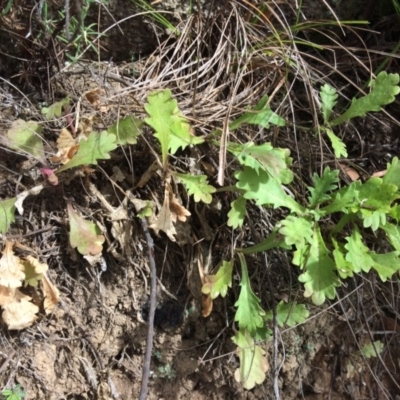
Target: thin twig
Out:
[153,300]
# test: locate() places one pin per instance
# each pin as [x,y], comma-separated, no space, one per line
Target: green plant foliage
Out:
[219,283]
[339,147]
[392,176]
[328,101]
[344,267]
[265,157]
[273,241]
[386,264]
[32,277]
[171,128]
[357,253]
[371,350]
[290,314]
[96,147]
[393,235]
[253,363]
[297,230]
[7,8]
[249,313]
[146,211]
[237,213]
[25,136]
[126,130]
[264,189]
[55,110]
[166,371]
[343,200]
[319,277]
[261,115]
[84,235]
[322,185]
[376,198]
[16,393]
[383,91]
[197,186]
[7,214]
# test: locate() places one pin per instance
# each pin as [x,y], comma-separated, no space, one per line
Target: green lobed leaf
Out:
[96,147]
[237,213]
[84,235]
[376,198]
[319,277]
[171,128]
[371,350]
[344,267]
[261,115]
[385,264]
[297,230]
[25,136]
[383,91]
[16,393]
[289,314]
[300,255]
[253,362]
[160,108]
[322,185]
[55,110]
[275,161]
[182,135]
[393,234]
[32,276]
[146,211]
[328,101]
[357,253]
[392,175]
[265,189]
[7,213]
[197,186]
[377,195]
[126,130]
[373,219]
[339,147]
[249,313]
[219,283]
[395,212]
[343,200]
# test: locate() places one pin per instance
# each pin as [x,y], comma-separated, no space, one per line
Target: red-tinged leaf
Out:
[84,235]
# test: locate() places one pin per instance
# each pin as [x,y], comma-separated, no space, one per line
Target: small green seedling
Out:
[16,393]
[383,91]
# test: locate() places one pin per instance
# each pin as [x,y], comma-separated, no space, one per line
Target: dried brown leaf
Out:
[11,268]
[19,314]
[164,219]
[178,212]
[67,147]
[350,172]
[206,305]
[8,295]
[51,294]
[379,174]
[93,97]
